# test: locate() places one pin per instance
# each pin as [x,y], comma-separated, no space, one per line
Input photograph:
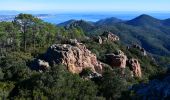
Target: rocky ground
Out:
[76,57]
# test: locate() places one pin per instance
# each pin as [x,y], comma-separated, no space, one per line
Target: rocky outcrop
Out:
[135,68]
[120,60]
[74,55]
[107,36]
[116,60]
[112,37]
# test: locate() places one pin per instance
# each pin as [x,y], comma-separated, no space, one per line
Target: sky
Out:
[85,5]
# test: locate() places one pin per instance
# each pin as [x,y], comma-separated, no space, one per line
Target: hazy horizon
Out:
[90,10]
[79,12]
[86,6]
[57,18]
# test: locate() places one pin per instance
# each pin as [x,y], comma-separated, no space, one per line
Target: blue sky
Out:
[86,5]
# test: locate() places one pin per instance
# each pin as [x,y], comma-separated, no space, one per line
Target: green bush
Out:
[58,83]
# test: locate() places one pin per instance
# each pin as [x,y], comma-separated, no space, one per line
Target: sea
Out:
[93,17]
[56,18]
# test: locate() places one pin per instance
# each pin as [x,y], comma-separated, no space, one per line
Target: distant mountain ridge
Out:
[167,22]
[108,21]
[152,33]
[141,20]
[144,20]
[105,21]
[85,25]
[67,22]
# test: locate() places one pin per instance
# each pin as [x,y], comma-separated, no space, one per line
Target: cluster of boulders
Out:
[75,56]
[107,36]
[120,60]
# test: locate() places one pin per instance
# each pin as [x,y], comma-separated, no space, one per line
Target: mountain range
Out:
[151,33]
[111,59]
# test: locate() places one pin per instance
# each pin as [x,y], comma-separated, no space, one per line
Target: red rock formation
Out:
[117,60]
[75,56]
[134,66]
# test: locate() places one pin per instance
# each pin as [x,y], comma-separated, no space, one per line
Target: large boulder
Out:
[74,55]
[116,60]
[135,68]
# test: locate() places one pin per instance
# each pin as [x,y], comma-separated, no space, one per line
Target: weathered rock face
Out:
[112,37]
[118,60]
[109,36]
[134,66]
[74,55]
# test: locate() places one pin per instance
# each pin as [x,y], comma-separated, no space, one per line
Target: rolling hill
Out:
[153,34]
[108,21]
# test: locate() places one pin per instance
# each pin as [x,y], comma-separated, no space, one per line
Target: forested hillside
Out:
[151,33]
[39,60]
